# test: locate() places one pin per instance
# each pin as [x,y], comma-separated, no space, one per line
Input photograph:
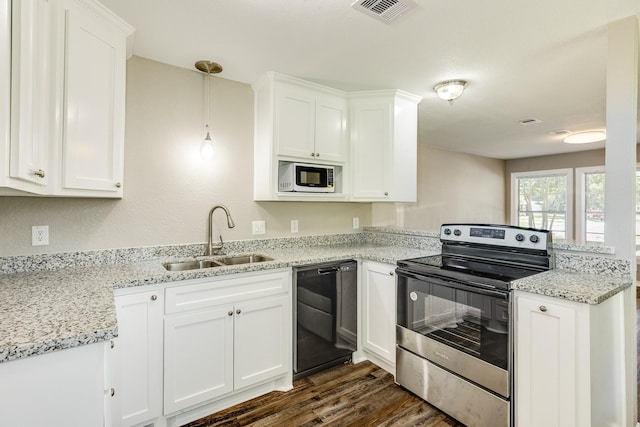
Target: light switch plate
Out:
[294,225]
[258,227]
[39,235]
[356,222]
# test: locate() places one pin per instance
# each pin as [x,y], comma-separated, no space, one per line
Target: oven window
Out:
[471,322]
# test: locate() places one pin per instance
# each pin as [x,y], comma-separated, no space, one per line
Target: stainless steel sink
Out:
[219,262]
[244,259]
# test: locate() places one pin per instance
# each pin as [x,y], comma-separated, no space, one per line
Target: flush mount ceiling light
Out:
[586,137]
[209,67]
[450,90]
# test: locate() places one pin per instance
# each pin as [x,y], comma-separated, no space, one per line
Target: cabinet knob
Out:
[112,392]
[317,154]
[154,297]
[230,313]
[113,343]
[391,273]
[39,173]
[118,185]
[543,308]
[386,193]
[313,154]
[238,311]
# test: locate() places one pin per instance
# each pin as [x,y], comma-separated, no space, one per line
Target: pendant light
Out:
[206,146]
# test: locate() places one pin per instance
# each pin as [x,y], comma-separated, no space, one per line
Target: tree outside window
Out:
[542,201]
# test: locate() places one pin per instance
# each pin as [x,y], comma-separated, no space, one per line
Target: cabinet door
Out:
[198,351]
[294,122]
[545,363]
[139,351]
[330,128]
[262,347]
[378,310]
[93,110]
[371,156]
[30,91]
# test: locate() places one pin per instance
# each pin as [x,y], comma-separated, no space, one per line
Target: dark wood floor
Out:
[348,395]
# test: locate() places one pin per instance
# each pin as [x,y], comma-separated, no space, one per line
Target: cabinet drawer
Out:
[223,291]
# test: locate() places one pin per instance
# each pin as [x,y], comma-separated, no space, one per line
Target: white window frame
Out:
[568,172]
[581,200]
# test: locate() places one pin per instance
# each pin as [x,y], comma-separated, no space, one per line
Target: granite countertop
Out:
[49,310]
[44,311]
[580,287]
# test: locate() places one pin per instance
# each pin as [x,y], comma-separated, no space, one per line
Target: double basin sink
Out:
[218,262]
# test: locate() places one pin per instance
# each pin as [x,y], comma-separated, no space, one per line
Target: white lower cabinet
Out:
[567,359]
[60,389]
[190,348]
[379,313]
[139,356]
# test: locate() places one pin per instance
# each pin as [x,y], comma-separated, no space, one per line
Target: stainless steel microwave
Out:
[305,177]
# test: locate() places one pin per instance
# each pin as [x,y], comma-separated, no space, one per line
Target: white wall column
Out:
[620,163]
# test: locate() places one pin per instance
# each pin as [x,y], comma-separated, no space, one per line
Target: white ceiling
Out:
[544,59]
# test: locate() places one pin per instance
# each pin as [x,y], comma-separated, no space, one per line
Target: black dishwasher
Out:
[324,315]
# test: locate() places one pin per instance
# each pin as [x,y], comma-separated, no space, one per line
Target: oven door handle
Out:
[477,288]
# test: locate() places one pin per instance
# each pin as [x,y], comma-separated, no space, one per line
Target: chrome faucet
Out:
[230,224]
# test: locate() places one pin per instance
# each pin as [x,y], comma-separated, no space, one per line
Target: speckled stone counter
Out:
[57,301]
[580,287]
[44,311]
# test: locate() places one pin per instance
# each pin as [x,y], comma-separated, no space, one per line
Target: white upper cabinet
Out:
[384,127]
[63,67]
[298,121]
[310,121]
[92,63]
[25,103]
[370,137]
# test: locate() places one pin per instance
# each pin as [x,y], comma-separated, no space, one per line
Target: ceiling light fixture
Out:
[586,137]
[209,67]
[450,90]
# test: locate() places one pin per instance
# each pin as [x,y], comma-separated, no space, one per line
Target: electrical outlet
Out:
[39,235]
[356,222]
[294,225]
[258,227]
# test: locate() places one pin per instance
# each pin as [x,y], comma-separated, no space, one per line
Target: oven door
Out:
[460,327]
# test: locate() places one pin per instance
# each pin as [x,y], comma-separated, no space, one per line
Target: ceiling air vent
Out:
[529,121]
[384,10]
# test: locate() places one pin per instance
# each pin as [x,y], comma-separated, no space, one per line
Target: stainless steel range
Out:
[453,333]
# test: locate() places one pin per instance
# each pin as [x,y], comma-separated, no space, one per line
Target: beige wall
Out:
[452,187]
[168,188]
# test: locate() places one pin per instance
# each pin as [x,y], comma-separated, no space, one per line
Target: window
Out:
[543,199]
[590,204]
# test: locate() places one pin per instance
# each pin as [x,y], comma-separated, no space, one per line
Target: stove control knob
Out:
[457,232]
[520,237]
[447,231]
[534,239]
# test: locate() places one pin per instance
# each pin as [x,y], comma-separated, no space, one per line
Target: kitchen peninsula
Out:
[66,301]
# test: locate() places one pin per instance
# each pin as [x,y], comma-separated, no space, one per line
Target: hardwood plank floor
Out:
[347,395]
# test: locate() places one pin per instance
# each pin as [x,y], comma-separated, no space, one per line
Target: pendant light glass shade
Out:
[207,149]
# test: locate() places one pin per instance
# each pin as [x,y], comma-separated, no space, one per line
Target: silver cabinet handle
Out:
[317,154]
[39,173]
[543,308]
[386,193]
[391,273]
[313,154]
[113,343]
[118,185]
[112,392]
[230,313]
[238,311]
[154,297]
